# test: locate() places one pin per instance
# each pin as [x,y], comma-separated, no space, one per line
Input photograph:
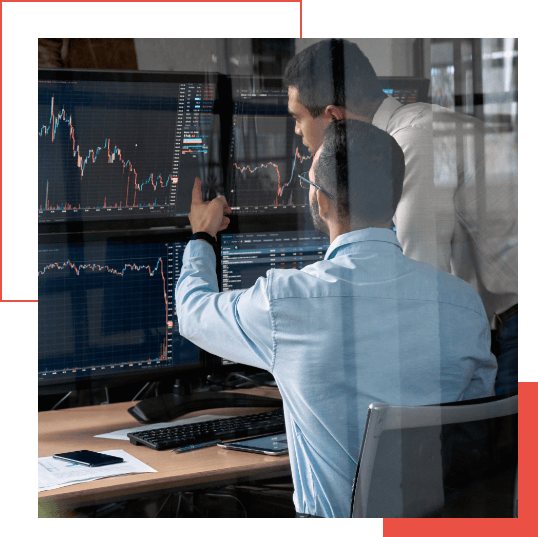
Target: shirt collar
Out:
[362,235]
[384,112]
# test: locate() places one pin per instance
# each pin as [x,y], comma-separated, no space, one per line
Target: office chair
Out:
[449,460]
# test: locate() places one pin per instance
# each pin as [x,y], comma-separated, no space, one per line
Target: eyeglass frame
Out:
[303,179]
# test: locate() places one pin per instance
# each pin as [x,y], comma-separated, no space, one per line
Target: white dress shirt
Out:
[456,212]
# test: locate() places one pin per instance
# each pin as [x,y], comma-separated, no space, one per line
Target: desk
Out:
[75,428]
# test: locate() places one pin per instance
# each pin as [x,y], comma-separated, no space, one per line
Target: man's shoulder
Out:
[419,114]
[449,289]
[418,281]
[294,283]
[413,112]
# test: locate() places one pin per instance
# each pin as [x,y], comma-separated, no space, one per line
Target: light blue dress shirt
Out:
[365,325]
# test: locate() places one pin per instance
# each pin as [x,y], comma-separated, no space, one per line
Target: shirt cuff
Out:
[198,248]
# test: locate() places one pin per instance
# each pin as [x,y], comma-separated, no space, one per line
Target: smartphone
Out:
[276,444]
[88,458]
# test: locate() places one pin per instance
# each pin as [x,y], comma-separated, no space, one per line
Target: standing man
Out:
[443,216]
[365,324]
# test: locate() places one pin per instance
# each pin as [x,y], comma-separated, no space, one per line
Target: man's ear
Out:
[334,112]
[324,204]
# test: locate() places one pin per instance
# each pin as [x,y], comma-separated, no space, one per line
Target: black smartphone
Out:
[88,458]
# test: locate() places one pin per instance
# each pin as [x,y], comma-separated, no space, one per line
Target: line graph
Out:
[244,168]
[265,156]
[256,191]
[104,304]
[297,157]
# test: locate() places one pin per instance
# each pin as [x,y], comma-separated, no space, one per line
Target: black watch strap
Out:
[206,237]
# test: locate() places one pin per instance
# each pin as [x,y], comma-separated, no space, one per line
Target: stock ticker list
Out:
[247,256]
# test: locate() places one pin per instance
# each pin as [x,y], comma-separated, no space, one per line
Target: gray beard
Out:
[319,225]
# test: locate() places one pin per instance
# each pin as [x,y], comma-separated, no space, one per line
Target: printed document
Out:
[54,473]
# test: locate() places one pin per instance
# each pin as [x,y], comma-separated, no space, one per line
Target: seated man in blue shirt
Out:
[365,325]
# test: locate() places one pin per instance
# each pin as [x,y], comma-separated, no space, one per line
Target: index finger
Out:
[225,206]
[197,191]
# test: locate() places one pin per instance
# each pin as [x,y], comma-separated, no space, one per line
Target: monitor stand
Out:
[171,406]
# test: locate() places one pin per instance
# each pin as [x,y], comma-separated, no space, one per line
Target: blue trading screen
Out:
[114,149]
[247,256]
[266,156]
[404,96]
[107,308]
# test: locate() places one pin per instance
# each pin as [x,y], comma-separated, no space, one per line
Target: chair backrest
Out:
[450,460]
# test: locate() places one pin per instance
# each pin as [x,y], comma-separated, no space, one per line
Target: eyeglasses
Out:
[305,183]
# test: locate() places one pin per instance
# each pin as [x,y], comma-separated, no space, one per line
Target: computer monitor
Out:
[107,311]
[247,256]
[406,89]
[122,146]
[265,155]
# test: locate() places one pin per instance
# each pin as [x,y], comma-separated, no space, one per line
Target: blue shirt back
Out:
[365,325]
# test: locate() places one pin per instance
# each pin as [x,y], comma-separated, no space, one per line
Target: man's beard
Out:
[319,225]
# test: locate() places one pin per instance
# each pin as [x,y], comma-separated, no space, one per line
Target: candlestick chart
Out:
[266,157]
[106,305]
[105,149]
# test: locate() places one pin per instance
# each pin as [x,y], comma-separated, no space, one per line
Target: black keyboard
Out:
[208,431]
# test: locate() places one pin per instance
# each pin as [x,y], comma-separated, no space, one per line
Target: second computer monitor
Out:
[107,311]
[265,155]
[245,257]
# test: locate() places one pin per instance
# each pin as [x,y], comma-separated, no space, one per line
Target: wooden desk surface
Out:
[75,428]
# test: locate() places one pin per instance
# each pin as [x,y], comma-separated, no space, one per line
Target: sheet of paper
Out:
[122,433]
[54,473]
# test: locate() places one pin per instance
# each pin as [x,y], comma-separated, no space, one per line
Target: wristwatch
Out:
[206,237]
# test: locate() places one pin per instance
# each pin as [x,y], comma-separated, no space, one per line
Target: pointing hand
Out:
[208,216]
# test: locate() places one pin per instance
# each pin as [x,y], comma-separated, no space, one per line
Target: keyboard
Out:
[208,431]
